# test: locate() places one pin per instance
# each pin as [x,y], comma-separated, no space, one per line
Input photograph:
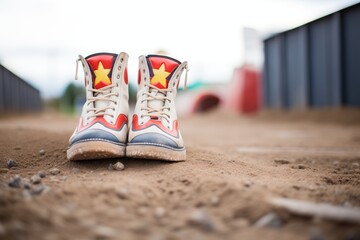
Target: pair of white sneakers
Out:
[104,130]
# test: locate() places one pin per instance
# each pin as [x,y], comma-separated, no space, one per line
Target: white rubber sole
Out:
[95,150]
[155,152]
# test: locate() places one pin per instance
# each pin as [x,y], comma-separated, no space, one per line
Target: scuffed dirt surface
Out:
[235,165]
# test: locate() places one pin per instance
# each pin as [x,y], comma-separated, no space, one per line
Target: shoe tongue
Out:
[101,65]
[161,69]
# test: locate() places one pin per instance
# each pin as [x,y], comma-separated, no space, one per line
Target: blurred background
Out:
[243,55]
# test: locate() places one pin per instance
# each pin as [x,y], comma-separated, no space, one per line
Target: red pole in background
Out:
[244,90]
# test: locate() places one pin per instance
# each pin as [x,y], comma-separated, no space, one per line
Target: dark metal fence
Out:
[316,64]
[16,95]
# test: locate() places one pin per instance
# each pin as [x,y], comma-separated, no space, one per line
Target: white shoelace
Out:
[157,112]
[104,94]
[161,111]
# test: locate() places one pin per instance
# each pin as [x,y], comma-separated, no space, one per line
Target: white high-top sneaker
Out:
[103,126]
[154,132]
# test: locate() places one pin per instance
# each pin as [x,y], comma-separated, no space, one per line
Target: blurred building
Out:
[16,95]
[316,64]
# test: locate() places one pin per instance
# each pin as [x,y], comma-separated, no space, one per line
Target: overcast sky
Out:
[40,39]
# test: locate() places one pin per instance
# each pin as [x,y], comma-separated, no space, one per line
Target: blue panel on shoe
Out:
[95,135]
[156,139]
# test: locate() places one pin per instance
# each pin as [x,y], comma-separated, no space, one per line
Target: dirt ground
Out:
[235,165]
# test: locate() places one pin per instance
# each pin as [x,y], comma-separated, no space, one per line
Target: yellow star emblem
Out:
[101,75]
[160,76]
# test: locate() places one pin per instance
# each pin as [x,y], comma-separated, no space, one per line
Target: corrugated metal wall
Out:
[316,64]
[16,95]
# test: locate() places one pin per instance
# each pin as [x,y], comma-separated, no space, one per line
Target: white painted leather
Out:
[122,101]
[142,88]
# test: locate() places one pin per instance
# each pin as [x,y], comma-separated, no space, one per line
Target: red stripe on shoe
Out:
[120,122]
[173,132]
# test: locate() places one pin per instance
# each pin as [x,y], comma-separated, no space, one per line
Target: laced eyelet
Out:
[121,59]
[119,68]
[143,70]
[118,76]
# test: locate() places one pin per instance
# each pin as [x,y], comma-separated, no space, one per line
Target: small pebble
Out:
[11,163]
[4,170]
[25,183]
[199,218]
[15,182]
[36,179]
[118,166]
[355,164]
[42,152]
[329,180]
[122,193]
[301,166]
[311,188]
[63,178]
[215,200]
[270,220]
[41,174]
[160,212]
[281,161]
[39,189]
[54,171]
[75,170]
[104,232]
[247,184]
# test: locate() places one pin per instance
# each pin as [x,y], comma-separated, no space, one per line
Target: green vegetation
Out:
[72,97]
